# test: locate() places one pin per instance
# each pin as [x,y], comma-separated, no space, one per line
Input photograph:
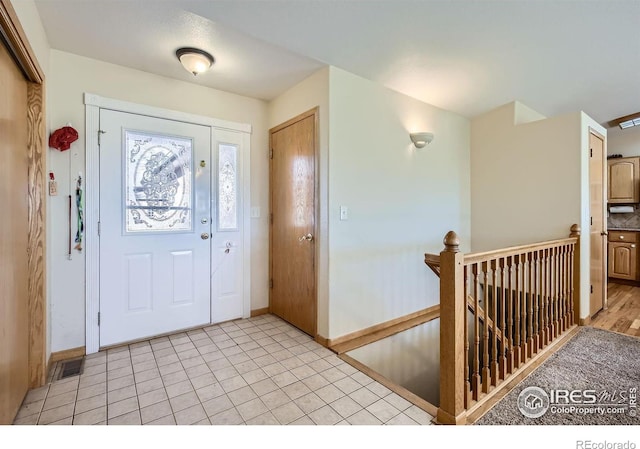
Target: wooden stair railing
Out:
[530,298]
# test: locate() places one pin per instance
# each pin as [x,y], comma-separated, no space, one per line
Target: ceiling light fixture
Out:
[194,60]
[421,139]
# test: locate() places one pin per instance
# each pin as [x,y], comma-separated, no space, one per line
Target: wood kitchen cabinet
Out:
[623,255]
[624,180]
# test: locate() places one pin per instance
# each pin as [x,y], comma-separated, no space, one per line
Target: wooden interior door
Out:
[14,231]
[292,235]
[597,231]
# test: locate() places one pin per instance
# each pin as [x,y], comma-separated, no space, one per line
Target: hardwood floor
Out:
[623,314]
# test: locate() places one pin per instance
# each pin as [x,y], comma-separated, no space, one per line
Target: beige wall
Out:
[71,76]
[30,20]
[530,181]
[624,141]
[308,94]
[401,201]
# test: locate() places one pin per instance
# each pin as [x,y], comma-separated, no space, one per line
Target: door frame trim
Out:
[605,252]
[93,104]
[315,113]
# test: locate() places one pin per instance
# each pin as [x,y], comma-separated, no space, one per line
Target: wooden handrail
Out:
[530,298]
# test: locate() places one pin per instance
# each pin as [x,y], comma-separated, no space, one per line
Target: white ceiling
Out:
[461,55]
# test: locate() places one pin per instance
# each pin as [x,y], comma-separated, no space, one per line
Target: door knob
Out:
[204,236]
[308,237]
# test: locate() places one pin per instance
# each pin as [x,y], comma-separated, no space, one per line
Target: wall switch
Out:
[255,212]
[53,188]
[344,213]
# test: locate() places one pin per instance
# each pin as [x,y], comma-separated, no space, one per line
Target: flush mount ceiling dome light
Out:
[194,60]
[421,139]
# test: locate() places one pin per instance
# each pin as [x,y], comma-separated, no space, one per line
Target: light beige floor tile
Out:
[309,402]
[303,372]
[246,347]
[264,360]
[266,419]
[144,366]
[59,400]
[120,382]
[120,372]
[216,405]
[90,417]
[251,409]
[325,416]
[227,417]
[93,390]
[95,358]
[363,417]
[225,373]
[304,421]
[121,394]
[315,382]
[379,389]
[347,385]
[120,355]
[91,403]
[383,410]
[232,350]
[239,358]
[155,411]
[184,347]
[143,376]
[398,402]
[184,355]
[284,379]
[418,415]
[333,374]
[287,413]
[274,369]
[203,380]
[364,397]
[329,393]
[347,369]
[164,352]
[233,383]
[149,385]
[254,376]
[275,399]
[184,401]
[167,360]
[170,368]
[321,365]
[152,397]
[212,356]
[242,395]
[190,415]
[27,420]
[142,358]
[255,353]
[296,390]
[242,339]
[168,420]
[36,395]
[345,406]
[282,354]
[128,419]
[63,387]
[264,386]
[63,422]
[56,414]
[93,379]
[96,369]
[120,408]
[118,364]
[179,388]
[207,349]
[175,377]
[197,370]
[309,357]
[160,343]
[193,361]
[401,420]
[33,408]
[210,392]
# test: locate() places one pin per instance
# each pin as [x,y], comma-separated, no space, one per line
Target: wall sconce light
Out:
[194,60]
[421,139]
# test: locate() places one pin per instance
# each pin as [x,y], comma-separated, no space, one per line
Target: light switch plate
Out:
[255,212]
[344,213]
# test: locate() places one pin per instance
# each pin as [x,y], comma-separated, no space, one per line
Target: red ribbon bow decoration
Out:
[63,138]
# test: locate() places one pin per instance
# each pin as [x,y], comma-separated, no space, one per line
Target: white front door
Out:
[155,224]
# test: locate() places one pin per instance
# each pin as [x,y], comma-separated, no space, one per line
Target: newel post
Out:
[452,323]
[575,232]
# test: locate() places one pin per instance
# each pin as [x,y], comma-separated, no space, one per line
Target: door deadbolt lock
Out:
[307,237]
[204,236]
[203,164]
[204,221]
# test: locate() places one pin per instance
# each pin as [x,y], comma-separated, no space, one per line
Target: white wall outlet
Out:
[255,212]
[344,213]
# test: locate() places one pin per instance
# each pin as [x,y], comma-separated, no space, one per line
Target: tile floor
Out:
[255,371]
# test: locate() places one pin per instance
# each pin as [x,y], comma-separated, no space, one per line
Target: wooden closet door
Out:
[14,226]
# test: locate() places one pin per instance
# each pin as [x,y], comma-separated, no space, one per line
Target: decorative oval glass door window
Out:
[159,180]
